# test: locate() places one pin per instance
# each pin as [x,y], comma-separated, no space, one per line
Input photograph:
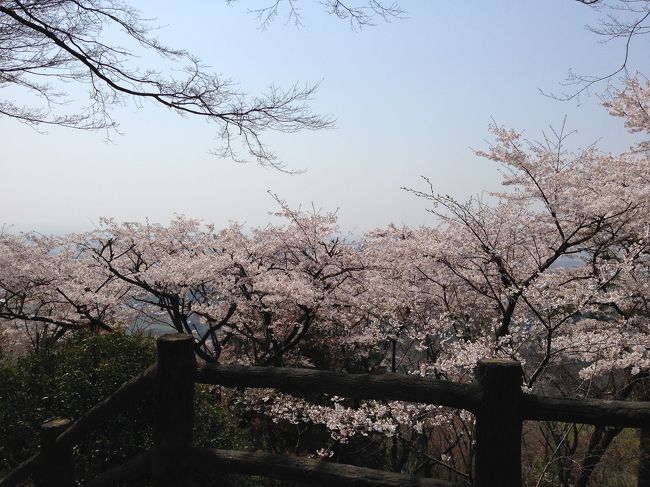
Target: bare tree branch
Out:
[360,15]
[625,20]
[46,44]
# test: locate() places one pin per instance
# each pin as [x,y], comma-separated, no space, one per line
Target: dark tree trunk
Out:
[601,438]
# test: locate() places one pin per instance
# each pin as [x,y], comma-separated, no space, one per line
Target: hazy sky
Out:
[411,98]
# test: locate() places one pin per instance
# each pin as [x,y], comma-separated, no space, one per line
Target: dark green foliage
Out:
[66,379]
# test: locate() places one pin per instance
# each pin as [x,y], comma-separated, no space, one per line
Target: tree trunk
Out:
[601,438]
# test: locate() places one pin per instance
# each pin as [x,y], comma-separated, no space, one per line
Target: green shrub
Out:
[66,379]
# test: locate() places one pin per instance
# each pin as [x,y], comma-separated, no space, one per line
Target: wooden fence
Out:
[496,400]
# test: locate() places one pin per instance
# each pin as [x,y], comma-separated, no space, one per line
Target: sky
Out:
[411,98]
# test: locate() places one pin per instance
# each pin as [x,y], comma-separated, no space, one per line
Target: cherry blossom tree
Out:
[552,271]
[267,289]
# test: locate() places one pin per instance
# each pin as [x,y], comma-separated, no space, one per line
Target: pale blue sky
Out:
[411,98]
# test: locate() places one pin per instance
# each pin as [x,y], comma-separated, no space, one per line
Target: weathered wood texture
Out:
[359,386]
[628,414]
[21,472]
[122,399]
[173,410]
[55,467]
[497,434]
[301,469]
[496,400]
[135,468]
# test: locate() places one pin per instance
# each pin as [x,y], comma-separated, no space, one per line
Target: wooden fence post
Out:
[497,440]
[55,468]
[173,410]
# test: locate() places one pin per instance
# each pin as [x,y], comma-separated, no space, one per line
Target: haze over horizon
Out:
[411,97]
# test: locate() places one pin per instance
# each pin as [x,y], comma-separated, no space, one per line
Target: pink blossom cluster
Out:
[553,271]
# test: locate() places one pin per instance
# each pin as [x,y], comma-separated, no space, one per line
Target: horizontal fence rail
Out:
[283,467]
[394,387]
[409,388]
[627,414]
[496,400]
